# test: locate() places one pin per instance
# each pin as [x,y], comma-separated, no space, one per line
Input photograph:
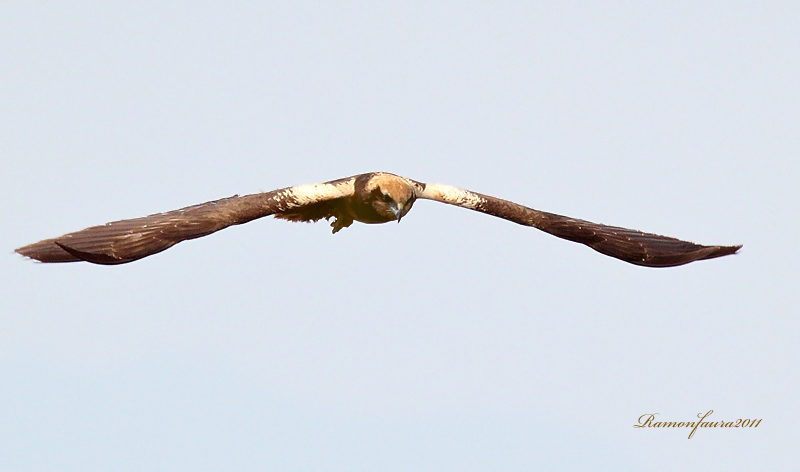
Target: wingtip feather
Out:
[46,251]
[720,251]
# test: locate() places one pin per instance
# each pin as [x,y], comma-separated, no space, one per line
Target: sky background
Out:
[454,340]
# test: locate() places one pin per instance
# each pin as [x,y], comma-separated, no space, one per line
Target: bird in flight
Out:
[376,197]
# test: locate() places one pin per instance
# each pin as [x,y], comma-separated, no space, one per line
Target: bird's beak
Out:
[397,210]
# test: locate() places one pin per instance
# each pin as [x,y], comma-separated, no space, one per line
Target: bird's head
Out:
[391,196]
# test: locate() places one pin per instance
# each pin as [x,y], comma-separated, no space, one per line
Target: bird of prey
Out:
[376,197]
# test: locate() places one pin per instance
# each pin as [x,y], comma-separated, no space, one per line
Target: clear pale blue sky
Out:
[452,341]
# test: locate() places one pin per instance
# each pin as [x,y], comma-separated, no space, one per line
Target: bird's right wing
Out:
[629,245]
[124,241]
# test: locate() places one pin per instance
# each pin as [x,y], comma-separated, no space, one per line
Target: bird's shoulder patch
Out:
[452,195]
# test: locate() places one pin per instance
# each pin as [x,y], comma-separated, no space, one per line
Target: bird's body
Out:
[368,201]
[372,198]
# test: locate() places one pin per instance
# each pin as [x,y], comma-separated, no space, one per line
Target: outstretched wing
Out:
[124,241]
[629,245]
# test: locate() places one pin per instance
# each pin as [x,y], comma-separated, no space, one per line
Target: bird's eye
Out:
[387,198]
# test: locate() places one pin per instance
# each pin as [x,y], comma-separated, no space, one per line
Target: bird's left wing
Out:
[124,241]
[629,245]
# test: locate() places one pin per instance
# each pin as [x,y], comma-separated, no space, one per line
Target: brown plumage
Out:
[376,197]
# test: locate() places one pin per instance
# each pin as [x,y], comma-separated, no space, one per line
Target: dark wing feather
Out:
[636,247]
[629,245]
[124,241]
